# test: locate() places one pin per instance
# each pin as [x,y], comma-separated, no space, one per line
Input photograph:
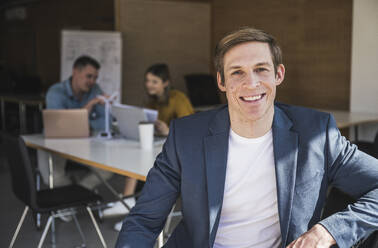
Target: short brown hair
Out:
[242,35]
[85,60]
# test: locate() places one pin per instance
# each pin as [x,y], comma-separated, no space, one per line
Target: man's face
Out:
[84,78]
[250,81]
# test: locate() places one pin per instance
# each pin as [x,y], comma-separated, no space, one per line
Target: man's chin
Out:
[255,115]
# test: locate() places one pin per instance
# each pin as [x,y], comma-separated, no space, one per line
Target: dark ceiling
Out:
[14,3]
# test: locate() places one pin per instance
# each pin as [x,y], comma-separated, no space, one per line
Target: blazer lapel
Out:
[216,149]
[285,145]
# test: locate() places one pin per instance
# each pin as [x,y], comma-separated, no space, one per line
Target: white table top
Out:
[347,119]
[126,158]
[120,156]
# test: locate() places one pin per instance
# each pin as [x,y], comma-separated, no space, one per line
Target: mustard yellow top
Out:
[178,106]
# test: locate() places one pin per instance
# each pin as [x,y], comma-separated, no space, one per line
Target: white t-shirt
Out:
[249,216]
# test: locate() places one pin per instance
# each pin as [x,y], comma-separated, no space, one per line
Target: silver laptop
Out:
[65,123]
[128,118]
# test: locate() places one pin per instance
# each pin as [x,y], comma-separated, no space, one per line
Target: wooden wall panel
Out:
[42,26]
[172,32]
[315,37]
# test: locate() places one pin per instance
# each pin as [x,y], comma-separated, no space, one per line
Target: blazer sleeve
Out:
[355,173]
[146,220]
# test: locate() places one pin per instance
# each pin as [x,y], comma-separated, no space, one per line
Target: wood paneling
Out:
[40,45]
[172,32]
[315,37]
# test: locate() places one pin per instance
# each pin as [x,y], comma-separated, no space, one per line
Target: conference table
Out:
[346,119]
[121,156]
[125,157]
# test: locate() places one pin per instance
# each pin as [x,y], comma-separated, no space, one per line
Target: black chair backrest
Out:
[202,89]
[23,183]
[375,146]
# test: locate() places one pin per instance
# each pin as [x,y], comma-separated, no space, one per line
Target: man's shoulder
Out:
[57,96]
[300,110]
[201,118]
[57,88]
[303,117]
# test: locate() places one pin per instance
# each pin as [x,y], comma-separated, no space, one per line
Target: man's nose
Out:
[252,80]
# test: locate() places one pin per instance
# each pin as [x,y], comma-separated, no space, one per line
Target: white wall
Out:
[364,77]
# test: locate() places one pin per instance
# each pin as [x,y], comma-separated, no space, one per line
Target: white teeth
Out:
[252,98]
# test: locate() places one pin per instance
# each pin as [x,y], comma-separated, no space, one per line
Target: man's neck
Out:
[75,90]
[252,128]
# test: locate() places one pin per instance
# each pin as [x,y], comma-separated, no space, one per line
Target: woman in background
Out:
[170,104]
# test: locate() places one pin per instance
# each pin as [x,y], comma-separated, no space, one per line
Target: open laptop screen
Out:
[128,118]
[65,123]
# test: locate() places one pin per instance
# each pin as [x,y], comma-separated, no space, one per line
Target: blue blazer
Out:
[310,155]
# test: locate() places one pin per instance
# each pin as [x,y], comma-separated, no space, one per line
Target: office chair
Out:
[369,147]
[338,201]
[44,201]
[202,89]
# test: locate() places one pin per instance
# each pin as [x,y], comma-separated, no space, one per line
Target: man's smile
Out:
[253,98]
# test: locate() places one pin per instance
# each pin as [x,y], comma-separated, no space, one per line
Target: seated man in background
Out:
[80,91]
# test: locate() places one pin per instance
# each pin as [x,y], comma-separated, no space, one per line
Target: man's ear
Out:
[75,71]
[280,75]
[166,83]
[221,84]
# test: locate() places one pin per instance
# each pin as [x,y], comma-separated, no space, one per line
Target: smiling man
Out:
[80,91]
[254,173]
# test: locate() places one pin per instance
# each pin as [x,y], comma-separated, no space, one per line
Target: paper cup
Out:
[146,135]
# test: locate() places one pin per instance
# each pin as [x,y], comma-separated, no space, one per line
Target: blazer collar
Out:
[221,122]
[216,150]
[285,146]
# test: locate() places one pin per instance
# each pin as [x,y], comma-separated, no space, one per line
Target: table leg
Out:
[356,133]
[40,107]
[38,187]
[53,233]
[51,185]
[160,241]
[112,190]
[51,171]
[22,117]
[3,114]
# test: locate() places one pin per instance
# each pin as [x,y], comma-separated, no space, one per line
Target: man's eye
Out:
[261,69]
[236,73]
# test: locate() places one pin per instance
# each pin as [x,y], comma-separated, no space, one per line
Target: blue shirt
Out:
[60,96]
